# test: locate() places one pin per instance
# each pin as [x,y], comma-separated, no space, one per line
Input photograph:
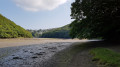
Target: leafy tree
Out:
[96,18]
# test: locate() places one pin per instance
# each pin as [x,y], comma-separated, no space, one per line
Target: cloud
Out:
[37,5]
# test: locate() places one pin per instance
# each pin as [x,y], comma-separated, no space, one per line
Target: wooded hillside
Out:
[62,32]
[8,29]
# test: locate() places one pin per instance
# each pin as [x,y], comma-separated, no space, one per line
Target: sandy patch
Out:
[31,41]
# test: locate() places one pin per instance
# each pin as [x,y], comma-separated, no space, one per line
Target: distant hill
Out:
[9,29]
[62,32]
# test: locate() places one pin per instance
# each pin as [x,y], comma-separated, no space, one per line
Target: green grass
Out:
[106,57]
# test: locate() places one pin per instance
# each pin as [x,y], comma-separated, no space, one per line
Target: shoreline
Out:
[31,41]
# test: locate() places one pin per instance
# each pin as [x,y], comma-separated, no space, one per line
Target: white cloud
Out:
[37,5]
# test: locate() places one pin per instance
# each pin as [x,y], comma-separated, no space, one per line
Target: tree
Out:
[96,18]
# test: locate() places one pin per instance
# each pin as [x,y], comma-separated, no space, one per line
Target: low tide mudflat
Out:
[48,52]
[31,52]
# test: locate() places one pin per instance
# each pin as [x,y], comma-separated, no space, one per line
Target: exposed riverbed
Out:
[31,52]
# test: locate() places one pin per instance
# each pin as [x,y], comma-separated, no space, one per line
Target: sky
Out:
[37,14]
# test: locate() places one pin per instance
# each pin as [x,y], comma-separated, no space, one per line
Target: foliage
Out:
[95,18]
[106,57]
[9,29]
[36,33]
[62,32]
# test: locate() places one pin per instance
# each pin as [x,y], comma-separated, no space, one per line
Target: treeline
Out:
[9,29]
[36,33]
[62,32]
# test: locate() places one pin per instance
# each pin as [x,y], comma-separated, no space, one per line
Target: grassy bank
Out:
[106,57]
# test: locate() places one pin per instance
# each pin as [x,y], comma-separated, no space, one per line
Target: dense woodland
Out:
[96,19]
[8,29]
[62,32]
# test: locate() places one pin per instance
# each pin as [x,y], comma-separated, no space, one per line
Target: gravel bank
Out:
[74,56]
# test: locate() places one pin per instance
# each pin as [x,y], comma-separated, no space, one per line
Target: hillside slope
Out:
[9,29]
[61,32]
